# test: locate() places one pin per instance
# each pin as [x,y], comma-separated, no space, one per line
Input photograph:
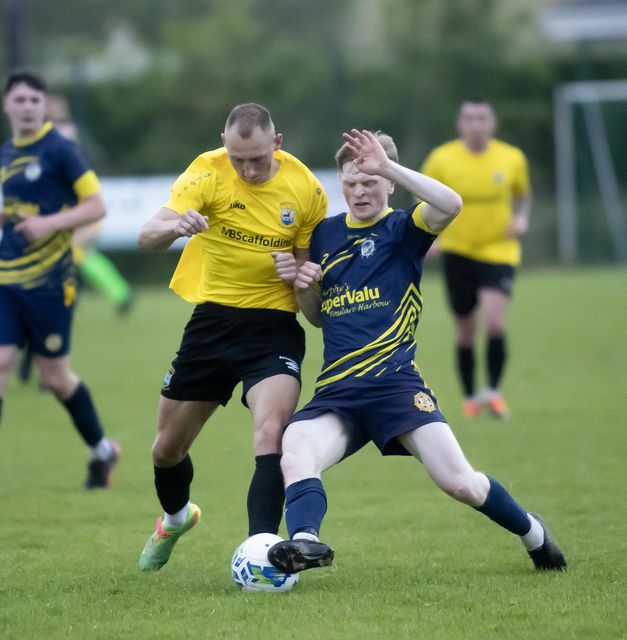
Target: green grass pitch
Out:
[410,563]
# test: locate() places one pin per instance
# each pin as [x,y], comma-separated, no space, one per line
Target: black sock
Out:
[266,495]
[495,357]
[172,484]
[83,413]
[466,369]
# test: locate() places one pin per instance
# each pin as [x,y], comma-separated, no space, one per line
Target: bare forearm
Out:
[88,211]
[426,189]
[522,206]
[309,303]
[158,234]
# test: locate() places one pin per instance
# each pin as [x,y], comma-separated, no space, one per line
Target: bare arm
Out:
[307,292]
[287,264]
[166,226]
[522,212]
[303,276]
[442,203]
[85,212]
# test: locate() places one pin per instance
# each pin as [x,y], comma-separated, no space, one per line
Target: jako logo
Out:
[237,205]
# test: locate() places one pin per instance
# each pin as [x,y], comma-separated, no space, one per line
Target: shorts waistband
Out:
[245,313]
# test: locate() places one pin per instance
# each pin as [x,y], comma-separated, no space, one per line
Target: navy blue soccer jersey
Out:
[370,289]
[40,176]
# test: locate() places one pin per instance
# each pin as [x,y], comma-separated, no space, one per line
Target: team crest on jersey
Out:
[53,342]
[424,402]
[367,248]
[288,216]
[498,177]
[32,171]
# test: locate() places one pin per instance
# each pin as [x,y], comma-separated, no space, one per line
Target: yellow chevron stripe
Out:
[336,262]
[60,239]
[20,276]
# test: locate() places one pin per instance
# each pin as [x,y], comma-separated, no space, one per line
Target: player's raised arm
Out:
[442,203]
[166,226]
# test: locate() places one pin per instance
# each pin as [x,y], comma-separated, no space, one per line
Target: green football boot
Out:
[160,544]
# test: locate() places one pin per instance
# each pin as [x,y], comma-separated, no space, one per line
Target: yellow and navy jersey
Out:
[487,182]
[231,263]
[370,291]
[40,176]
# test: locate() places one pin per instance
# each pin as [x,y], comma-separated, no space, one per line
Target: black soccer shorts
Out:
[464,277]
[222,346]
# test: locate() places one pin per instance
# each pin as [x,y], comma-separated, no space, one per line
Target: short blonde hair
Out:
[344,154]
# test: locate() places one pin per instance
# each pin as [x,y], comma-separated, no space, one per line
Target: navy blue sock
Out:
[305,506]
[0,410]
[466,369]
[500,507]
[266,495]
[496,355]
[172,484]
[83,413]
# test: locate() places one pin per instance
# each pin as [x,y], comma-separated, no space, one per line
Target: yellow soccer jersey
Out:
[231,262]
[486,182]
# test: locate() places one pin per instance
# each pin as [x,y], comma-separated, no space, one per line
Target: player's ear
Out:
[391,187]
[278,141]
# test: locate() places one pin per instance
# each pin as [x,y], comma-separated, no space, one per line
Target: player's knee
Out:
[297,465]
[466,488]
[267,438]
[56,384]
[167,456]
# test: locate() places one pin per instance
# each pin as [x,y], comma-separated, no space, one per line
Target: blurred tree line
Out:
[151,81]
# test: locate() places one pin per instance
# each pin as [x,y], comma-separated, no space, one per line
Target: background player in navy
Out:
[368,265]
[47,191]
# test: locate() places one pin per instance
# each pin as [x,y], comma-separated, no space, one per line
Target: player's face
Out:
[476,124]
[253,157]
[366,195]
[25,109]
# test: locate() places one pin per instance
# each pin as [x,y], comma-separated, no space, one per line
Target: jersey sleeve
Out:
[193,189]
[415,233]
[75,168]
[313,216]
[520,178]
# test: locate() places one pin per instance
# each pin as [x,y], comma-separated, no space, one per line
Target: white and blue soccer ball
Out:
[252,570]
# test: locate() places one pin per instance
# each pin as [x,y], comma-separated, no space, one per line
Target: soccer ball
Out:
[252,570]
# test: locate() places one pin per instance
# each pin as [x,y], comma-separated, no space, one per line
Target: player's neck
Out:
[477,146]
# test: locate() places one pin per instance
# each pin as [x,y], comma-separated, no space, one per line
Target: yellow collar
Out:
[356,224]
[25,142]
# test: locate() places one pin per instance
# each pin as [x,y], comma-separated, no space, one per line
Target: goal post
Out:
[589,96]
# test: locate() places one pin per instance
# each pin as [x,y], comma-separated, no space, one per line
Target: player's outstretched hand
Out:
[369,155]
[190,223]
[308,275]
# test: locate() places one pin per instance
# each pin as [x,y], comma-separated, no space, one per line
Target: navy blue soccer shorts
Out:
[41,316]
[376,409]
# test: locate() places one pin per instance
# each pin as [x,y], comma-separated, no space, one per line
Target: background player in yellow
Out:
[481,248]
[242,205]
